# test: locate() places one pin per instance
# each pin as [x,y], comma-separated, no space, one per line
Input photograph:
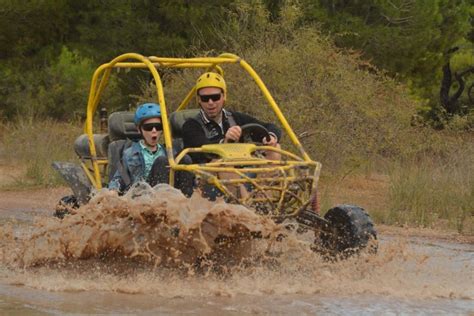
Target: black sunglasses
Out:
[214,97]
[150,126]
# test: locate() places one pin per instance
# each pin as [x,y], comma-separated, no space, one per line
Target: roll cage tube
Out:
[101,76]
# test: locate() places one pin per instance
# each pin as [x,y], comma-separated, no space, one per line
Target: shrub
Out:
[59,90]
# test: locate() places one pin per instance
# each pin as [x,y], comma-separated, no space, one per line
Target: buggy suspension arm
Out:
[310,220]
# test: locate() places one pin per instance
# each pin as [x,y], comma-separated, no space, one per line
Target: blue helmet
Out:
[146,111]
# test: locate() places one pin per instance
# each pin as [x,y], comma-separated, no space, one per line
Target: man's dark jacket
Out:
[195,135]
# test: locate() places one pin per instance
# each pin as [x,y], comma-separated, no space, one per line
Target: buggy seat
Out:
[122,131]
[177,120]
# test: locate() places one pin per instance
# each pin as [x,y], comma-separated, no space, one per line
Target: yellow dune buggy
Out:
[284,189]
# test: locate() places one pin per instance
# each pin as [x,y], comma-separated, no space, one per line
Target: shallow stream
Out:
[123,255]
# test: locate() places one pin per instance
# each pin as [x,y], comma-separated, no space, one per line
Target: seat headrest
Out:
[177,120]
[122,126]
[82,147]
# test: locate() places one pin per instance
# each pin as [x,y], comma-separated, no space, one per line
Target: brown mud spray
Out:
[157,241]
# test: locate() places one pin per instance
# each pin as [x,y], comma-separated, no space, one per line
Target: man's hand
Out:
[233,134]
[272,142]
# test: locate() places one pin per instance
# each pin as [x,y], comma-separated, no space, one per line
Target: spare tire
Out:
[349,230]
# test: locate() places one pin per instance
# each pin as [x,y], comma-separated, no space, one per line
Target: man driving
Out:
[214,124]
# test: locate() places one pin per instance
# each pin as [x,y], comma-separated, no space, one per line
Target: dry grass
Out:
[411,196]
[30,146]
[367,190]
[430,193]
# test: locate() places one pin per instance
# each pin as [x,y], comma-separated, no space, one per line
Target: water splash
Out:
[157,225]
[155,241]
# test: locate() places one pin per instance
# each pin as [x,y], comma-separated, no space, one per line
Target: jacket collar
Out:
[206,121]
[136,147]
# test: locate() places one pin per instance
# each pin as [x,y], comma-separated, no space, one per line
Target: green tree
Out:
[29,29]
[406,37]
[34,33]
[166,27]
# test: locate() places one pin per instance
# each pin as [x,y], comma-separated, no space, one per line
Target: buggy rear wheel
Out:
[65,205]
[350,230]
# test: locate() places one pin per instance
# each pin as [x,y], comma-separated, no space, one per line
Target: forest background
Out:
[374,86]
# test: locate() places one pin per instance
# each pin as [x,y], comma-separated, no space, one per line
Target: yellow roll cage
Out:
[233,155]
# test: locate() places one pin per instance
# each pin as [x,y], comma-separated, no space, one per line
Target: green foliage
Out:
[348,114]
[109,28]
[60,90]
[104,29]
[66,84]
[455,107]
[39,78]
[408,38]
[30,30]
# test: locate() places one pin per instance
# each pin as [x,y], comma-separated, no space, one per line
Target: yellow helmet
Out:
[211,79]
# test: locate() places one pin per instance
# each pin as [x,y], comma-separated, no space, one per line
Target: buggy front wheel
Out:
[349,230]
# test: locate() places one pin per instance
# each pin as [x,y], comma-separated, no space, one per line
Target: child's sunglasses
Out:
[150,126]
[214,97]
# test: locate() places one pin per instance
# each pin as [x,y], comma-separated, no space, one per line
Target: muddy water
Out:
[102,260]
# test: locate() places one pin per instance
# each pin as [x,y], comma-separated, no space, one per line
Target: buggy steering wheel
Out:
[253,133]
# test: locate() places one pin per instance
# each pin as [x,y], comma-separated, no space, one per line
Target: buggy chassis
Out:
[284,189]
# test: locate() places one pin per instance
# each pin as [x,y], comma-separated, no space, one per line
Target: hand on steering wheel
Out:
[233,134]
[250,133]
[255,133]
